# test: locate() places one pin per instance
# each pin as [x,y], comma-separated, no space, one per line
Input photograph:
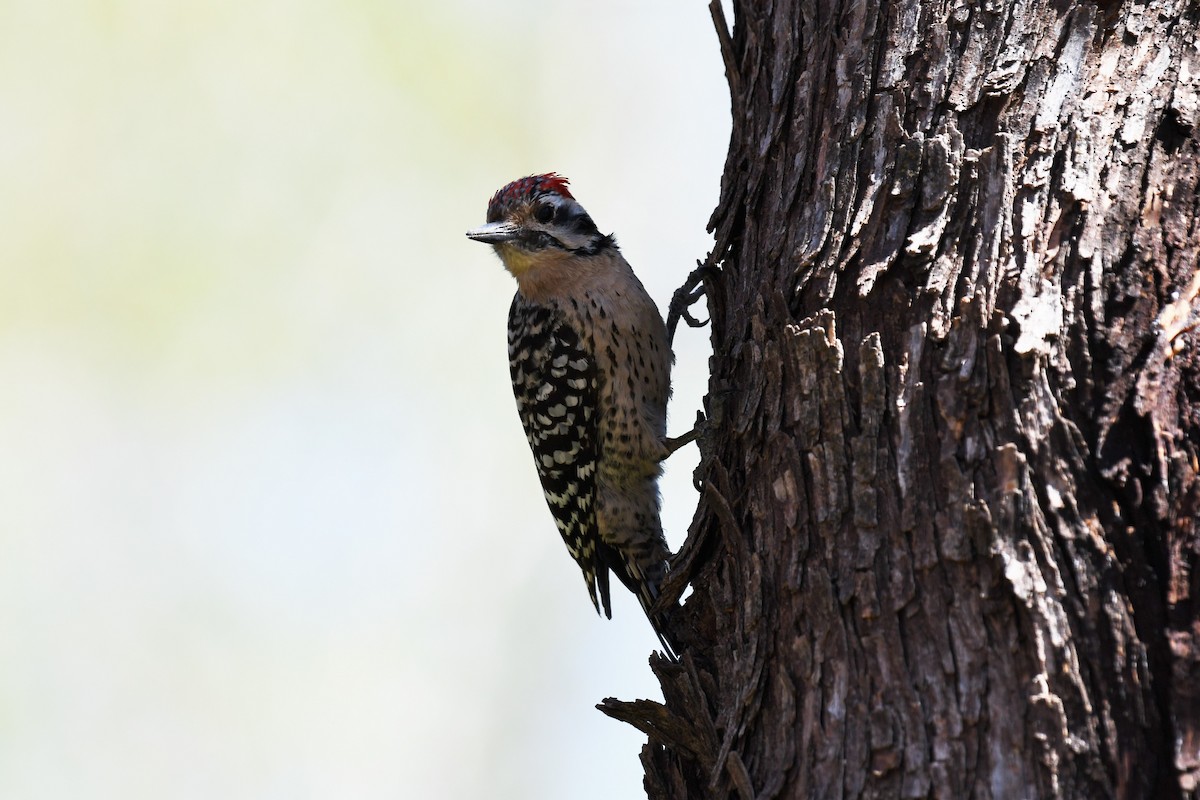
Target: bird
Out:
[590,364]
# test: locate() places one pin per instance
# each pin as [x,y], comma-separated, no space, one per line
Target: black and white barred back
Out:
[556,385]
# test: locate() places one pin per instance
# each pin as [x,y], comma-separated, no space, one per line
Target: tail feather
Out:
[662,629]
[644,585]
[601,573]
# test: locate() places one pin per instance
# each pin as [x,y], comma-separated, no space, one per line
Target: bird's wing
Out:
[555,381]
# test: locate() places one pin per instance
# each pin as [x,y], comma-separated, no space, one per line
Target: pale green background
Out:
[268,523]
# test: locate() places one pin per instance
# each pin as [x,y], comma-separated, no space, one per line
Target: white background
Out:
[268,523]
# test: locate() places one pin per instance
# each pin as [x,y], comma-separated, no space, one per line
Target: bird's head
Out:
[535,222]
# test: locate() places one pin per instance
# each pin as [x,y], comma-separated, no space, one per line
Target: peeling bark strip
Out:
[948,544]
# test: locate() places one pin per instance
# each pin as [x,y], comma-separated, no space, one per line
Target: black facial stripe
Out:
[594,246]
[540,240]
[537,240]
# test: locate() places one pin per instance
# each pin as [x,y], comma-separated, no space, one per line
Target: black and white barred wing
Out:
[555,382]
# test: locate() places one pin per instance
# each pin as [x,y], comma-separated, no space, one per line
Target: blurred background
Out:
[269,527]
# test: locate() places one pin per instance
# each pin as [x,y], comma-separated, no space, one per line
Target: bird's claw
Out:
[685,297]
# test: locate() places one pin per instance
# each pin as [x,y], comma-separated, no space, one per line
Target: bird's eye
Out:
[544,213]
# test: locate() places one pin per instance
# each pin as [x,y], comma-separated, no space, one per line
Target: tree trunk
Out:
[947,544]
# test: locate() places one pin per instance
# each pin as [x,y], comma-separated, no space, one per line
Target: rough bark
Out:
[947,542]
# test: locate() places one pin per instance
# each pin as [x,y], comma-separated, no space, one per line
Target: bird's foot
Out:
[685,297]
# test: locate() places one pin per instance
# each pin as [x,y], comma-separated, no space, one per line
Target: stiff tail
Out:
[646,589]
[643,584]
[662,628]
